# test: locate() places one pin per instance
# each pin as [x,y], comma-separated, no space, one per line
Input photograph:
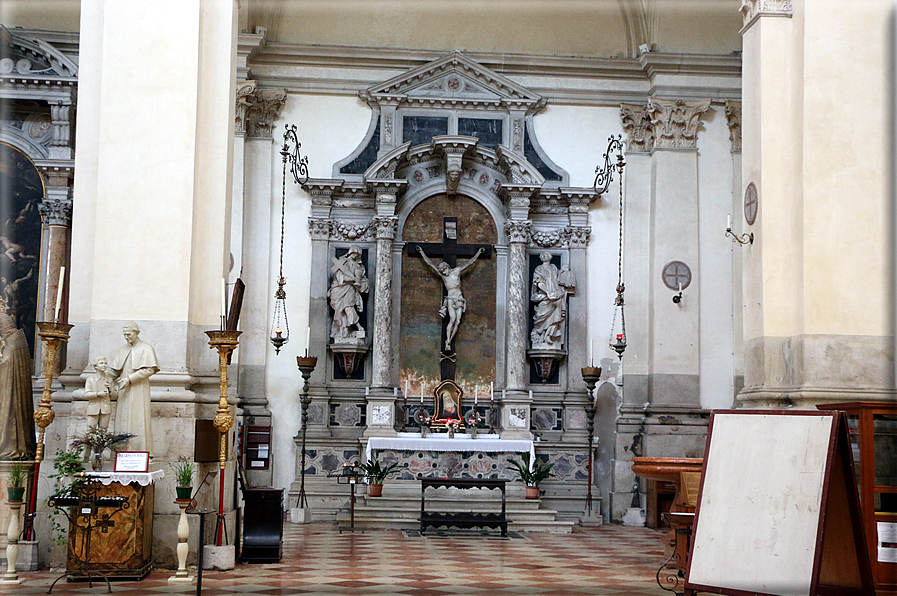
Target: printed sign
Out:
[132,461]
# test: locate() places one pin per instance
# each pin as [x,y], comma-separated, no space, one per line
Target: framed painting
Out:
[447,401]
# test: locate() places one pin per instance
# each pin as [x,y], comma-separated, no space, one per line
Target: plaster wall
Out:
[51,15]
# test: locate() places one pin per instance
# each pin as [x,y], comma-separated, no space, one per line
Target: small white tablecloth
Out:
[440,442]
[141,478]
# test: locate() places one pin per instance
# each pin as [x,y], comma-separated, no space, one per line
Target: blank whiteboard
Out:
[759,510]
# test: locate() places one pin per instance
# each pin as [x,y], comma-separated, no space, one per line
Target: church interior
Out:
[517,254]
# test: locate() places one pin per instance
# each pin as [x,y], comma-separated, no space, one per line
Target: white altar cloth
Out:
[440,442]
[141,478]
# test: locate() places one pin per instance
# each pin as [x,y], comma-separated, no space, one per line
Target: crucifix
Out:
[453,303]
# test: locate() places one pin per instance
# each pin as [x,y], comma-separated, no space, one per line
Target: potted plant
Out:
[376,475]
[531,475]
[18,475]
[183,477]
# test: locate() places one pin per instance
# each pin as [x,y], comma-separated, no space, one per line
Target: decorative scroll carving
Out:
[265,106]
[754,8]
[578,236]
[637,126]
[385,227]
[244,98]
[676,122]
[56,212]
[319,228]
[733,117]
[518,231]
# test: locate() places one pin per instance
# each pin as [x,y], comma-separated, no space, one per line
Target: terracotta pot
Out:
[15,493]
[375,490]
[532,492]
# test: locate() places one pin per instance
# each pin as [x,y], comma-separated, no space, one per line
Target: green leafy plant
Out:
[18,475]
[375,472]
[531,475]
[66,483]
[183,471]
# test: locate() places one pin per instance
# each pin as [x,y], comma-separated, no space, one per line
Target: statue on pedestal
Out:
[99,391]
[454,304]
[17,439]
[549,293]
[134,364]
[349,283]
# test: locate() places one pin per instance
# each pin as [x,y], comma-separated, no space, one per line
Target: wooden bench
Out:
[462,519]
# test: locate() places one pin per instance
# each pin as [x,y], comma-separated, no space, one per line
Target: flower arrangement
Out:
[99,439]
[474,418]
[422,418]
[453,424]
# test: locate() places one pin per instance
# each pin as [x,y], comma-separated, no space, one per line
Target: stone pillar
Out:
[515,417]
[733,118]
[56,214]
[383,355]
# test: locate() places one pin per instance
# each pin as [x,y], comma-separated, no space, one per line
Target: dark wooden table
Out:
[462,519]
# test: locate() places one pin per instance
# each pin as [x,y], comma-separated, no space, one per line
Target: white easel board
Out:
[761,518]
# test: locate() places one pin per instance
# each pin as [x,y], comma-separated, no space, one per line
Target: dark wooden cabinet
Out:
[462,519]
[262,525]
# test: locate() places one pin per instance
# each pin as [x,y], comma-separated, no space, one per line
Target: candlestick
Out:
[476,394]
[422,392]
[307,335]
[59,293]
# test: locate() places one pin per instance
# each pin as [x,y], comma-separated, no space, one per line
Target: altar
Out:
[483,443]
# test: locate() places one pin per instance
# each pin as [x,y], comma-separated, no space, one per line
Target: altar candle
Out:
[223,302]
[591,352]
[59,293]
[729,221]
[476,394]
[307,335]
[491,393]
[406,388]
[421,392]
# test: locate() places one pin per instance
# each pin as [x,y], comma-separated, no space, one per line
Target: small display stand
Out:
[350,475]
[120,548]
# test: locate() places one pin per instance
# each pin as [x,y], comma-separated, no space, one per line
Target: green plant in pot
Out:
[376,475]
[183,477]
[18,477]
[531,473]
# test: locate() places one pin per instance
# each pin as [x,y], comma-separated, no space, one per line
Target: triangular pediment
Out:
[453,79]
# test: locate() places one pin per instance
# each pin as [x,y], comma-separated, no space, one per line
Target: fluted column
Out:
[385,228]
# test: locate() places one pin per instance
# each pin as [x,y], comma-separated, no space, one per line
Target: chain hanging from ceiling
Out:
[604,175]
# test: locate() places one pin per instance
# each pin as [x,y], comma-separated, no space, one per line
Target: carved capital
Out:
[733,117]
[243,101]
[56,212]
[676,122]
[264,108]
[751,9]
[319,228]
[637,126]
[385,227]
[518,230]
[578,236]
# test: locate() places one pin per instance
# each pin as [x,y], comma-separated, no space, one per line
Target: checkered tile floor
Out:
[318,560]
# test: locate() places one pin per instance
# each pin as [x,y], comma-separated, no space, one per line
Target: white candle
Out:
[591,352]
[729,221]
[223,297]
[406,388]
[476,394]
[422,392]
[59,293]
[491,392]
[680,287]
[307,336]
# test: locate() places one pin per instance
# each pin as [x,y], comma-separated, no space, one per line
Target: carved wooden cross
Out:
[448,250]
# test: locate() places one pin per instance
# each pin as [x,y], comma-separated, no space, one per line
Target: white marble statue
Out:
[454,305]
[100,391]
[549,293]
[134,364]
[349,283]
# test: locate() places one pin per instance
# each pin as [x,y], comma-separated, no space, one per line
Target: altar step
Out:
[400,512]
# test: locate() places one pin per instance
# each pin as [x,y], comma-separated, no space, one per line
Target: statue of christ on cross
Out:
[454,304]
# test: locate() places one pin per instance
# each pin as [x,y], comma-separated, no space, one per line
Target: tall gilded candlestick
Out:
[307,366]
[225,341]
[591,375]
[54,335]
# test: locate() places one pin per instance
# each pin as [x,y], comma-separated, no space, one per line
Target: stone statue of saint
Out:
[134,364]
[349,283]
[454,305]
[17,440]
[99,391]
[549,293]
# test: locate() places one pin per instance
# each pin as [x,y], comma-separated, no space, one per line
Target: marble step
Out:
[365,522]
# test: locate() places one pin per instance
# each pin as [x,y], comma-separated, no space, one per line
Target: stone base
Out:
[634,517]
[218,558]
[175,580]
[300,515]
[592,520]
[12,581]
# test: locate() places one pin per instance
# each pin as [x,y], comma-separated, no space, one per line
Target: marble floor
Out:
[319,560]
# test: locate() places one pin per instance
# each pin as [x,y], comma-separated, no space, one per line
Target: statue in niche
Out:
[454,304]
[17,439]
[134,364]
[549,293]
[349,283]
[99,391]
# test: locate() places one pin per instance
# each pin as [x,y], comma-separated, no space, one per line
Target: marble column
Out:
[515,417]
[56,213]
[385,228]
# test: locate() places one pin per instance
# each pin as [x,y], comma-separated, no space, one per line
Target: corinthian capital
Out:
[244,97]
[319,228]
[386,227]
[518,230]
[751,9]
[676,122]
[733,117]
[56,212]
[637,126]
[264,108]
[578,236]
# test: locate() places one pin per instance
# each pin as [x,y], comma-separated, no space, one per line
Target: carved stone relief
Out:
[56,212]
[637,126]
[753,8]
[264,108]
[733,118]
[244,96]
[676,122]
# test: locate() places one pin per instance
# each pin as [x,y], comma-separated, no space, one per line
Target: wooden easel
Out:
[778,511]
